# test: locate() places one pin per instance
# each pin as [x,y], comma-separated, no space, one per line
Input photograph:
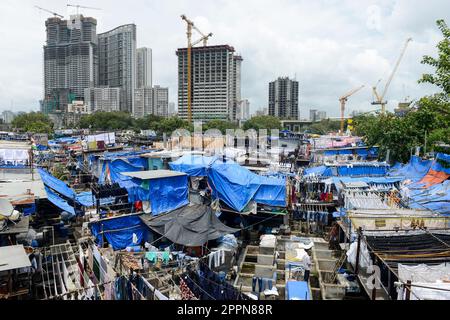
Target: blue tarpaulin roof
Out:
[435,198]
[236,186]
[165,194]
[86,199]
[58,201]
[441,158]
[119,231]
[368,180]
[193,165]
[321,171]
[415,170]
[56,184]
[115,167]
[232,183]
[356,169]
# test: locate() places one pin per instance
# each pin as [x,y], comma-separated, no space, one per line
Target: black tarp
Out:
[192,225]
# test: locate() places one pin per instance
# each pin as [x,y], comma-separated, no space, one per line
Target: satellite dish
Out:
[6,208]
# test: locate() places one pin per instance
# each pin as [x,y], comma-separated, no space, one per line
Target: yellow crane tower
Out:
[204,38]
[343,100]
[380,99]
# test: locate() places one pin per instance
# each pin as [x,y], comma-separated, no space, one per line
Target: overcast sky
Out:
[330,46]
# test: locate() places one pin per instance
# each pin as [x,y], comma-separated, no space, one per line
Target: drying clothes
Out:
[218,257]
[153,256]
[186,293]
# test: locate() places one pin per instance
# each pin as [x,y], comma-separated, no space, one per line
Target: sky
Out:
[329,46]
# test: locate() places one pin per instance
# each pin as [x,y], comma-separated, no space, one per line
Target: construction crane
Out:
[204,39]
[343,100]
[53,13]
[83,7]
[380,98]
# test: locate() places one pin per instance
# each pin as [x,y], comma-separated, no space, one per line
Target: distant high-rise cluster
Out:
[216,83]
[315,115]
[107,71]
[283,99]
[70,60]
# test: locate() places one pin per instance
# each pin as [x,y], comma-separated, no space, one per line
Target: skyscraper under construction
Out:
[70,60]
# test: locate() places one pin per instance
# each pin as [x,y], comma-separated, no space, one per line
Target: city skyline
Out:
[325,62]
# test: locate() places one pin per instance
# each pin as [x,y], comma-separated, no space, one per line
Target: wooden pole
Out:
[408,290]
[358,249]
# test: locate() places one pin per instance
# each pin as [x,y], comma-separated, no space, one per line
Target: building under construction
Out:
[216,82]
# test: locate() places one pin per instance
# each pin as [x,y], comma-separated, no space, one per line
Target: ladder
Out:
[339,264]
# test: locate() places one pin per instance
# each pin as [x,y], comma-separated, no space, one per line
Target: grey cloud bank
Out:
[330,46]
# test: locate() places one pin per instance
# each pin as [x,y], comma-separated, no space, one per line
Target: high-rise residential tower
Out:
[70,60]
[143,67]
[160,101]
[216,82]
[283,98]
[102,99]
[243,110]
[117,62]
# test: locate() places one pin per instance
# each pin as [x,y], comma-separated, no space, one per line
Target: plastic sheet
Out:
[119,231]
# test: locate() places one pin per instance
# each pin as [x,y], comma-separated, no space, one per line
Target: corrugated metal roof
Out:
[13,257]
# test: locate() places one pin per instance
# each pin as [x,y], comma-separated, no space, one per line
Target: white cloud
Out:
[331,46]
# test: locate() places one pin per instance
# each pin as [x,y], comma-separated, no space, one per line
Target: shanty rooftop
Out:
[153,174]
[13,257]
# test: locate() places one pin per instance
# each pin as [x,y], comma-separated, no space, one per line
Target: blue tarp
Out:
[356,169]
[164,194]
[193,165]
[58,201]
[86,199]
[64,140]
[236,186]
[435,198]
[388,181]
[321,171]
[297,290]
[232,183]
[115,167]
[437,166]
[125,154]
[362,170]
[119,231]
[415,170]
[56,184]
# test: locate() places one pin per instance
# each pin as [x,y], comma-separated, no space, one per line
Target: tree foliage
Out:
[441,64]
[169,125]
[263,122]
[35,122]
[107,121]
[324,126]
[221,125]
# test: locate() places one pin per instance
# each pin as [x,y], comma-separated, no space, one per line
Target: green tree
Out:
[148,122]
[324,126]
[169,125]
[441,77]
[107,121]
[262,122]
[221,125]
[35,122]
